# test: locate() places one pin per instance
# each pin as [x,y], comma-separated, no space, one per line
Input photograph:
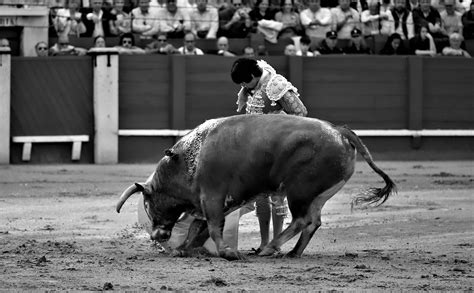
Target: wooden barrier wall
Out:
[180,92]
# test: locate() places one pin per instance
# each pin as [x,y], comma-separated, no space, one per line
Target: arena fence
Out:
[131,108]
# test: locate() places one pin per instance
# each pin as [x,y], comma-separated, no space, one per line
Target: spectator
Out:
[127,45]
[329,44]
[426,14]
[374,21]
[451,20]
[305,44]
[161,46]
[249,52]
[316,21]
[345,19]
[145,20]
[4,43]
[394,46]
[173,21]
[454,48]
[121,21]
[41,49]
[204,20]
[222,46]
[290,50]
[422,44]
[240,24]
[96,20]
[262,50]
[468,23]
[357,44]
[262,11]
[68,21]
[189,47]
[289,18]
[385,6]
[225,14]
[99,42]
[401,20]
[63,48]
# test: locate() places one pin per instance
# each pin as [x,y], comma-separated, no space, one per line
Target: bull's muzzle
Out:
[160,235]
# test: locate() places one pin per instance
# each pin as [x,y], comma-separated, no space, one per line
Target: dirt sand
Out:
[59,231]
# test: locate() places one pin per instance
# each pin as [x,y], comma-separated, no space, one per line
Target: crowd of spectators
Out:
[315,27]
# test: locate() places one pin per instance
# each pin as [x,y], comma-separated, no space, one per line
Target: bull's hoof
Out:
[268,251]
[179,253]
[292,254]
[231,254]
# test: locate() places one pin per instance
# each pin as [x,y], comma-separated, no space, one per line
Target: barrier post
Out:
[5,102]
[106,107]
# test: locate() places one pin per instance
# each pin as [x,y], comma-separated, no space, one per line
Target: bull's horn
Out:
[125,195]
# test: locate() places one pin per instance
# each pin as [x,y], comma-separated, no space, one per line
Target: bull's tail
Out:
[373,195]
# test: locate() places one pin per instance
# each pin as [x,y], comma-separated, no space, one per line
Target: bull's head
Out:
[162,209]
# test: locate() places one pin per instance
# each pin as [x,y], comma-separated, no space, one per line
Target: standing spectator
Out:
[173,21]
[401,20]
[394,46]
[161,46]
[316,21]
[357,44]
[422,44]
[122,21]
[68,21]
[305,45]
[451,20]
[145,20]
[262,11]
[289,17]
[240,24]
[249,52]
[63,48]
[41,49]
[189,47]
[204,20]
[468,23]
[454,48]
[290,50]
[225,14]
[96,20]
[374,21]
[127,45]
[345,19]
[329,44]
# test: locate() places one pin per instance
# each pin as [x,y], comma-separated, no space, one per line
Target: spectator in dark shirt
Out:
[96,20]
[394,46]
[329,44]
[422,44]
[357,44]
[426,14]
[262,11]
[468,22]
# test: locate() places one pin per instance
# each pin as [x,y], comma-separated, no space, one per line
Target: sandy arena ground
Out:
[59,231]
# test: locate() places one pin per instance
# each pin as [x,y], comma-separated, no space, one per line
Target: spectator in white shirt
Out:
[145,20]
[401,20]
[204,20]
[374,21]
[345,19]
[174,21]
[316,20]
[189,47]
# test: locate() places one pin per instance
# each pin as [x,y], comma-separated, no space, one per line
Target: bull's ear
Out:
[171,154]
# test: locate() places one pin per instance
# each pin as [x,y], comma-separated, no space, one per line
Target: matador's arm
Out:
[292,104]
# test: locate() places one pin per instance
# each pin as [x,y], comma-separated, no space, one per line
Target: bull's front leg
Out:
[197,235]
[213,207]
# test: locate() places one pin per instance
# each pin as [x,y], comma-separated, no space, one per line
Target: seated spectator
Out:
[222,48]
[249,52]
[316,21]
[374,21]
[454,48]
[96,20]
[426,14]
[394,46]
[262,11]
[345,19]
[4,43]
[127,45]
[451,20]
[41,49]
[121,21]
[357,44]
[68,21]
[63,48]
[99,42]
[468,23]
[290,50]
[173,21]
[329,44]
[262,50]
[225,13]
[289,18]
[204,20]
[189,47]
[145,20]
[161,46]
[240,25]
[305,44]
[422,44]
[401,20]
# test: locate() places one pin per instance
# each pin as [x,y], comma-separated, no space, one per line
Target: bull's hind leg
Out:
[306,224]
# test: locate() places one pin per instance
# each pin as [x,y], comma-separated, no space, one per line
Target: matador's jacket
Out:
[273,94]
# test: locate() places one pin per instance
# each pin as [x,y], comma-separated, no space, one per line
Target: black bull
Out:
[227,162]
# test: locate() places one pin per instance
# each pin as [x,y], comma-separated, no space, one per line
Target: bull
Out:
[225,163]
